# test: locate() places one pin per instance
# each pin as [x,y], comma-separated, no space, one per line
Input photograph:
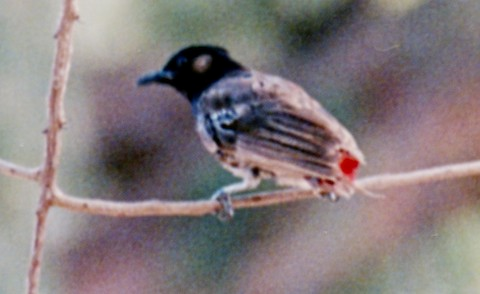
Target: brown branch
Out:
[61,69]
[439,173]
[133,209]
[13,170]
[203,207]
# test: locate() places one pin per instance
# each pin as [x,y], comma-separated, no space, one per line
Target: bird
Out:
[261,126]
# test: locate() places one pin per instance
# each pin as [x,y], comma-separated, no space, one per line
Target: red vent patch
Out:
[348,165]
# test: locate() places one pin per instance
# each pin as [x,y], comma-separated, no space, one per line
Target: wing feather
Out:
[275,125]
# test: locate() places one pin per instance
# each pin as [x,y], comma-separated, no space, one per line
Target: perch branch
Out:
[203,207]
[439,173]
[61,69]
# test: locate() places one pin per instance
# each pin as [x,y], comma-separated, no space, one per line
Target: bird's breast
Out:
[207,133]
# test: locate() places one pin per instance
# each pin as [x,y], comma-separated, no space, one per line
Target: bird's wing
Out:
[273,124]
[293,96]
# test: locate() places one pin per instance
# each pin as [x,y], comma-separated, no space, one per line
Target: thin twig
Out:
[61,69]
[203,207]
[14,170]
[439,173]
[134,209]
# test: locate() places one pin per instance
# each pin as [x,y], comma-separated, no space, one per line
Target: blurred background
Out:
[403,76]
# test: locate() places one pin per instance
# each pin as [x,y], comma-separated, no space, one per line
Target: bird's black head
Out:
[193,69]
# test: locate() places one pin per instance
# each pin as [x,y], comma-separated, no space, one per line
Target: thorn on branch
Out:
[61,124]
[70,16]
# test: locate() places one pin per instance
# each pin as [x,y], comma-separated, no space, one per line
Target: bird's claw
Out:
[226,211]
[330,196]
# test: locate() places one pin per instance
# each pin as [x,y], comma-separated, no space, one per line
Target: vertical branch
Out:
[61,69]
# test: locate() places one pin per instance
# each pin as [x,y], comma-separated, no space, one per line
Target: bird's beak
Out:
[160,77]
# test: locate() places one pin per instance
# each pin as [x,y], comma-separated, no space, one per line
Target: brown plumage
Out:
[261,126]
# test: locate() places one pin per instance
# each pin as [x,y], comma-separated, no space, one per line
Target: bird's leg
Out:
[223,196]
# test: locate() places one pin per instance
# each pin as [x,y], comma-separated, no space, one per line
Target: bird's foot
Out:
[330,196]
[226,211]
